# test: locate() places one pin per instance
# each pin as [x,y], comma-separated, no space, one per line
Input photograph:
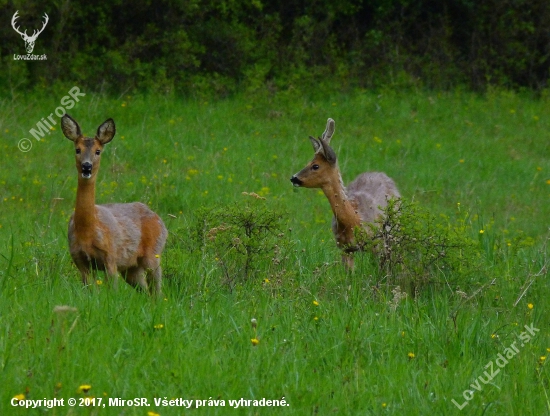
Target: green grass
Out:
[482,161]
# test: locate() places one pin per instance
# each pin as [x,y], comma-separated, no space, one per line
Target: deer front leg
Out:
[85,276]
[84,269]
[111,274]
[348,262]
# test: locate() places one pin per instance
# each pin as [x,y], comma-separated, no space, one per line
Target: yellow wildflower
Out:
[530,305]
[84,388]
[255,341]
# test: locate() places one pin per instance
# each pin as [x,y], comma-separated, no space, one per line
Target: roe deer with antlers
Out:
[125,238]
[357,205]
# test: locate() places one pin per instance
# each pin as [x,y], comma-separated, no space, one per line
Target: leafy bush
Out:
[242,239]
[415,249]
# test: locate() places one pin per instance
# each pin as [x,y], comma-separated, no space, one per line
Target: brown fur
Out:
[357,205]
[115,238]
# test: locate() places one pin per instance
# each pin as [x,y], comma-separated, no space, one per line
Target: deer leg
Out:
[135,277]
[153,271]
[85,276]
[84,269]
[348,262]
[111,274]
[154,278]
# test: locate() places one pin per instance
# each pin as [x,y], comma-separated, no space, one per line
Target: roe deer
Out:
[125,238]
[356,205]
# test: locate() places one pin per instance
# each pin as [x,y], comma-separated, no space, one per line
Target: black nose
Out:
[295,181]
[86,166]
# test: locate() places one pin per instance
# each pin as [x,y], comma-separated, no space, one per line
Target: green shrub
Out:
[241,239]
[415,249]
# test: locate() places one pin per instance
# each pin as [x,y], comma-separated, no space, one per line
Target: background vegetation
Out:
[203,46]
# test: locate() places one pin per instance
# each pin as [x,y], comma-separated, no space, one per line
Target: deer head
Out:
[323,167]
[88,149]
[29,40]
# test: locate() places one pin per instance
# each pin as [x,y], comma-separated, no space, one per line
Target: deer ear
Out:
[106,131]
[70,128]
[329,131]
[316,144]
[329,154]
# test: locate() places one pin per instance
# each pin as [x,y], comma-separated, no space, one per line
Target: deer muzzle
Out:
[295,181]
[86,170]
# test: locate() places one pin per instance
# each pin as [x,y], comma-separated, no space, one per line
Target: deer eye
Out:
[97,152]
[315,167]
[77,151]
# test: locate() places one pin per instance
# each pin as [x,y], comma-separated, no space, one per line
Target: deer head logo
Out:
[29,40]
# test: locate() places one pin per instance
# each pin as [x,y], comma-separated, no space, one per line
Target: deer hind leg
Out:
[135,277]
[153,272]
[154,277]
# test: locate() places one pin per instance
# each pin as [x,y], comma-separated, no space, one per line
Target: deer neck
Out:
[344,210]
[85,212]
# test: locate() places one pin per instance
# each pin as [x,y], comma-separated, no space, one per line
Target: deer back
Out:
[371,190]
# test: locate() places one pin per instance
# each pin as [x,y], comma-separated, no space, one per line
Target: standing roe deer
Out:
[125,238]
[358,204]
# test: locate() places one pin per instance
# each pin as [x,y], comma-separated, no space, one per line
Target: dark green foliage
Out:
[216,47]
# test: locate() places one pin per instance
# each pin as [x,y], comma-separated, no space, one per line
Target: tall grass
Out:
[329,342]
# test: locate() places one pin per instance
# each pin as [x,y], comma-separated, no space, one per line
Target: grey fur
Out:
[124,222]
[371,190]
[329,131]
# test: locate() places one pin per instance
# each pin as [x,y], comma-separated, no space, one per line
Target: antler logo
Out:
[29,40]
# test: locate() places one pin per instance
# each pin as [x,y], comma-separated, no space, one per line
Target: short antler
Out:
[329,131]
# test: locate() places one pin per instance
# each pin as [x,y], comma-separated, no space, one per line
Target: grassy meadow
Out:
[327,341]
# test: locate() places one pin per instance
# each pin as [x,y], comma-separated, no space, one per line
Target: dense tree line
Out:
[223,45]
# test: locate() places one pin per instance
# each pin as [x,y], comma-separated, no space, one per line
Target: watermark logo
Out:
[29,40]
[45,125]
[501,362]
